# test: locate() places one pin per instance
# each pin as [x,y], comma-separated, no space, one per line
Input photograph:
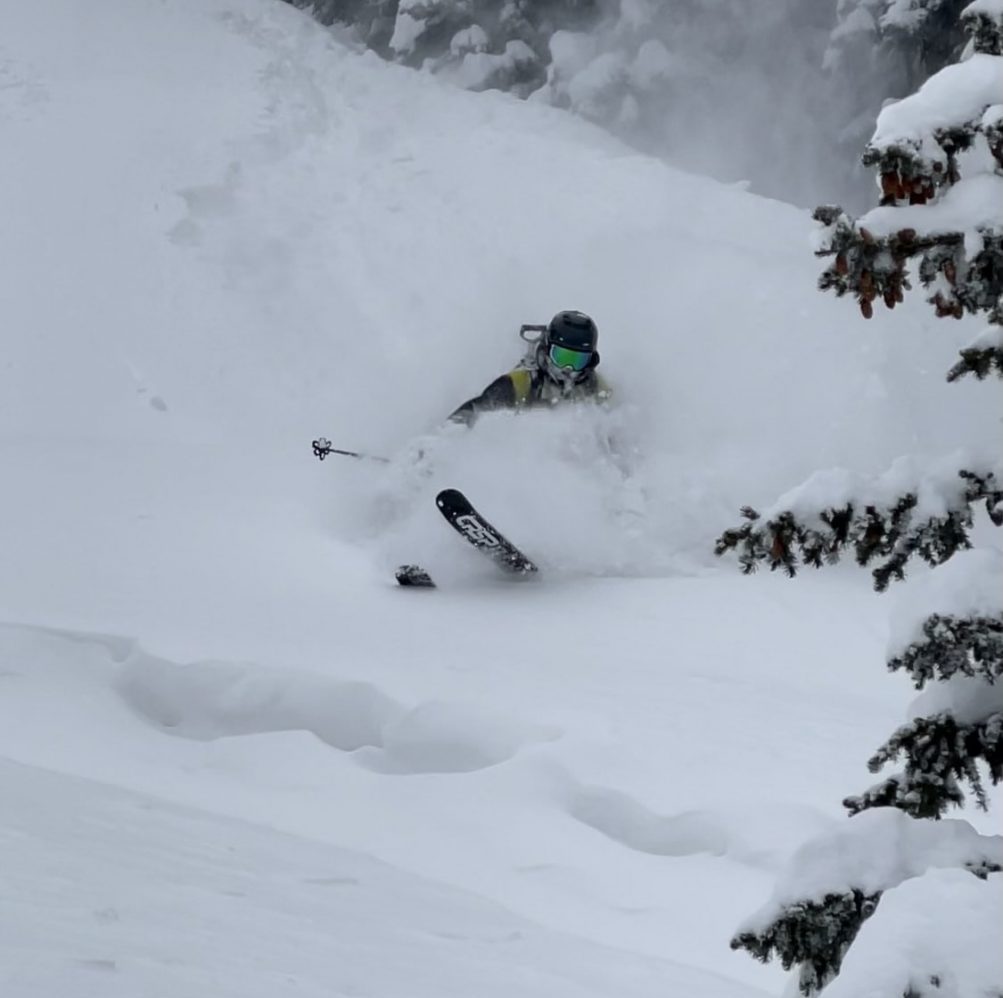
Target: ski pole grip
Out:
[321,448]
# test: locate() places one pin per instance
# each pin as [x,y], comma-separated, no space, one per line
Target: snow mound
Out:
[208,700]
[751,837]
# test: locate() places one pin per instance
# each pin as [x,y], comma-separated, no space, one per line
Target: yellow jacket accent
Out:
[522,382]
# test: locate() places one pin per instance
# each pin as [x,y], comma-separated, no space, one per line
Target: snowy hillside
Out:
[236,759]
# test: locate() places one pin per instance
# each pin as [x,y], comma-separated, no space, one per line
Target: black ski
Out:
[467,522]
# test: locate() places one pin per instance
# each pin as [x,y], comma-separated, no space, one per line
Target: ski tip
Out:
[448,497]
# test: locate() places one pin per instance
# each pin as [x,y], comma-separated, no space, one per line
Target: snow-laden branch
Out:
[872,853]
[908,511]
[983,356]
[834,883]
[917,129]
[939,158]
[928,939]
[983,20]
[935,625]
[941,753]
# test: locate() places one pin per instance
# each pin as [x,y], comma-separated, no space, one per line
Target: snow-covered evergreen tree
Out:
[939,155]
[700,84]
[901,42]
[882,48]
[480,44]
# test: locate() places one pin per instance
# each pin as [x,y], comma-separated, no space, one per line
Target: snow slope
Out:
[169,901]
[226,234]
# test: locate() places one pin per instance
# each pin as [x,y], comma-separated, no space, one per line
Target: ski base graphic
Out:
[469,524]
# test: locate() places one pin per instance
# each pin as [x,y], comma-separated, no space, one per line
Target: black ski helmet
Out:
[574,330]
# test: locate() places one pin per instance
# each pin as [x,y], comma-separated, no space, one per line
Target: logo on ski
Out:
[476,532]
[465,520]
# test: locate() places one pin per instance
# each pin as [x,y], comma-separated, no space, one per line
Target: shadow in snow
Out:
[209,700]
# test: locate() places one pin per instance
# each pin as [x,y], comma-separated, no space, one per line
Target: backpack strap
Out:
[603,389]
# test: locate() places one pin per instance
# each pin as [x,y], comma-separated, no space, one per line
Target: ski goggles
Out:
[564,357]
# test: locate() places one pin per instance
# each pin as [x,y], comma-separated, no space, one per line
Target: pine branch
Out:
[983,489]
[985,30]
[918,156]
[872,267]
[981,363]
[871,531]
[814,934]
[865,266]
[968,646]
[912,796]
[940,754]
[774,544]
[984,356]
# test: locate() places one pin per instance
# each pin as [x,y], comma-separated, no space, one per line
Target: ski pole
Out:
[322,447]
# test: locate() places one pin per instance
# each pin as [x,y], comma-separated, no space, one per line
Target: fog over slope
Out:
[778,94]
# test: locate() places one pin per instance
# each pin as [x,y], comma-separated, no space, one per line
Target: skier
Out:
[560,367]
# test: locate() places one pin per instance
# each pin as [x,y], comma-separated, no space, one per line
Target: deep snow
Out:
[226,234]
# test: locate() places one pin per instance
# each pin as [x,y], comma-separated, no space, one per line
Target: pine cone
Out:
[778,550]
[891,185]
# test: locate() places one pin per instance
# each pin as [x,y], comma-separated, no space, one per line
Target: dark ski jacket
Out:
[530,387]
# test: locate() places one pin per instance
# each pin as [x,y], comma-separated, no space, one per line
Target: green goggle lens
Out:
[575,359]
